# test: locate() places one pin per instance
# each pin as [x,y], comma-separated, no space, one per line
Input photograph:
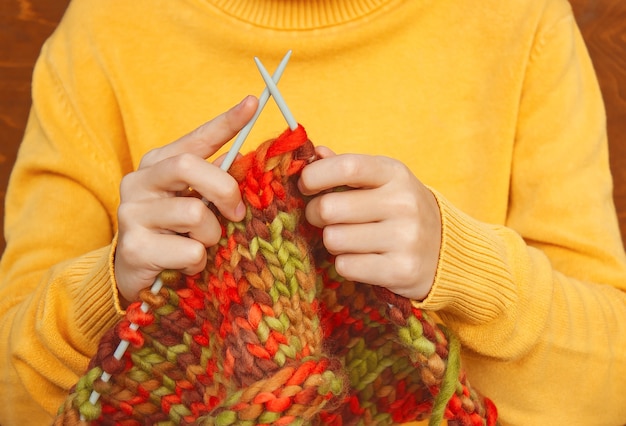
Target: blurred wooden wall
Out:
[25,24]
[603,24]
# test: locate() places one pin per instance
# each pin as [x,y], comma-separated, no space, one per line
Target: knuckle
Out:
[195,212]
[127,185]
[398,167]
[182,162]
[131,249]
[227,190]
[150,157]
[230,122]
[350,166]
[305,179]
[215,234]
[332,240]
[123,211]
[126,215]
[342,266]
[196,256]
[326,208]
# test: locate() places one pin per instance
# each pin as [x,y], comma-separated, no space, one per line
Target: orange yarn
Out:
[270,334]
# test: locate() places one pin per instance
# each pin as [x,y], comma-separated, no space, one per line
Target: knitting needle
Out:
[228,160]
[232,153]
[278,97]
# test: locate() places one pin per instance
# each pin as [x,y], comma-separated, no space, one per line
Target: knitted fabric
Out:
[269,334]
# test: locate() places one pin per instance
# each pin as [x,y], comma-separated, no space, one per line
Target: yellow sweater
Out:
[493,104]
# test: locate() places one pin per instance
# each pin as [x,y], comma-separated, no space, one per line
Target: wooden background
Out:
[25,24]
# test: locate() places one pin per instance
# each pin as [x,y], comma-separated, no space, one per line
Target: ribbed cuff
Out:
[95,309]
[472,281]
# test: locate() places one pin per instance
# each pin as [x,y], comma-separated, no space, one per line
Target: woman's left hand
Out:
[385,230]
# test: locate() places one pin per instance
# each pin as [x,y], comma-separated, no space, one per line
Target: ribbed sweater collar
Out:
[298,14]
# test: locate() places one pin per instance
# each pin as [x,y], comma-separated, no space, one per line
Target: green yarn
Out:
[269,417]
[225,418]
[269,333]
[330,383]
[83,391]
[449,383]
[178,411]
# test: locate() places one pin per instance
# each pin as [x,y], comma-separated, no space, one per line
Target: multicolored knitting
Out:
[269,334]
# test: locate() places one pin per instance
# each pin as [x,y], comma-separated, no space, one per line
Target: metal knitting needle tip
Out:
[243,134]
[280,101]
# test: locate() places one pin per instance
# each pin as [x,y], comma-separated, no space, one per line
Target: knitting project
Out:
[269,334]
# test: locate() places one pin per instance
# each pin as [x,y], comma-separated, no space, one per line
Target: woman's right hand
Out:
[159,227]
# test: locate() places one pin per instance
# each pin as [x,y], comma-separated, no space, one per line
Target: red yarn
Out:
[126,333]
[270,334]
[288,141]
[135,315]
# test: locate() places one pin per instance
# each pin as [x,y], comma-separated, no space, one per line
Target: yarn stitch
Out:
[270,334]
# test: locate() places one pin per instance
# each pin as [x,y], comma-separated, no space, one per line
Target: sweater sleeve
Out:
[539,303]
[57,293]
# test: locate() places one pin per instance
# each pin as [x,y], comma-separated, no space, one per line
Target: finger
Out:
[151,251]
[360,238]
[177,252]
[177,174]
[208,138]
[353,206]
[138,263]
[180,215]
[365,268]
[394,272]
[358,171]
